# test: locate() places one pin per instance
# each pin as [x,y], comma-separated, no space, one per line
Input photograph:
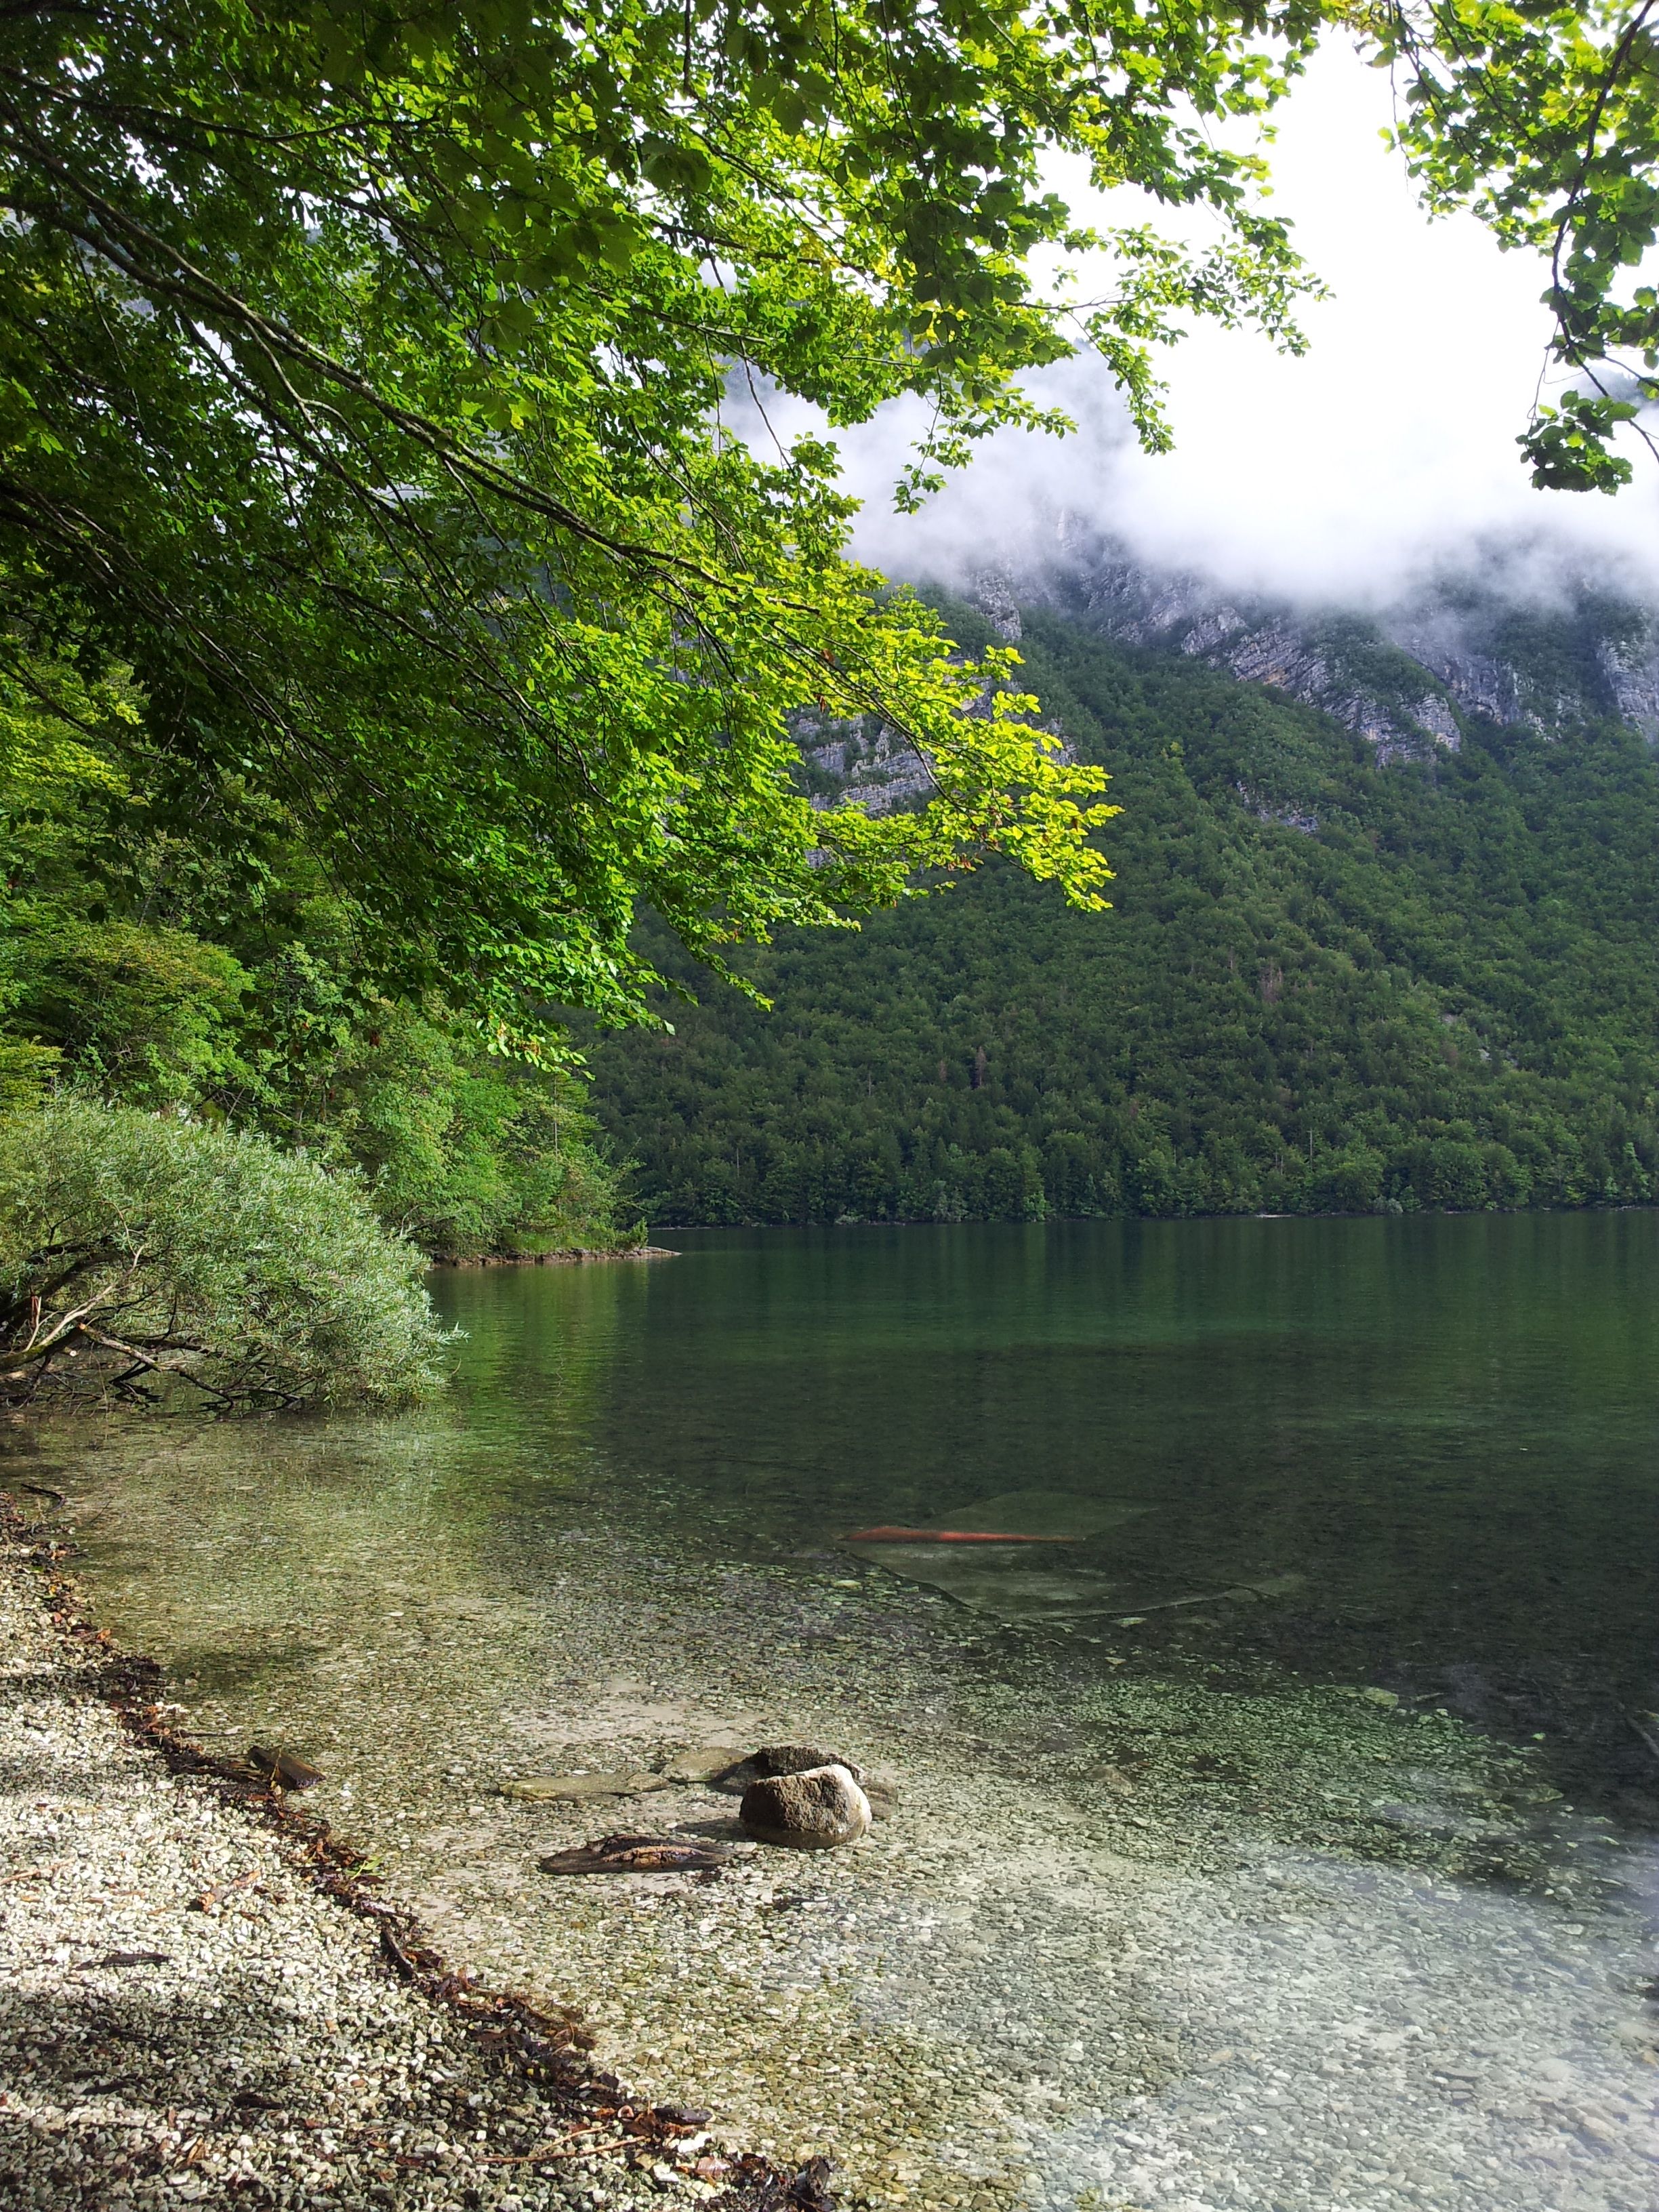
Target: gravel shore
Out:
[1132,1937]
[201,2003]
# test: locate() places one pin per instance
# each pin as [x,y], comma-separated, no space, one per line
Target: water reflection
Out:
[1447,1427]
[1228,1905]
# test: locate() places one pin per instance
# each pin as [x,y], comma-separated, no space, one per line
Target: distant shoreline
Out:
[572,1259]
[1102,1220]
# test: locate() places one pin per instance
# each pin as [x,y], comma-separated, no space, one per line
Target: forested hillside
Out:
[1326,984]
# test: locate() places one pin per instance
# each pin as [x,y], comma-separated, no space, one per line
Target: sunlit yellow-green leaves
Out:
[388,389]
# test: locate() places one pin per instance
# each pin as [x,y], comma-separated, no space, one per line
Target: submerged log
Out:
[640,1855]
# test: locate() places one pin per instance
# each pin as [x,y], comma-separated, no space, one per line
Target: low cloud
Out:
[1351,475]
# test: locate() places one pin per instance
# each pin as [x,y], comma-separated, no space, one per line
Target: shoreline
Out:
[273,2030]
[1187,1923]
[1146,1220]
[578,1255]
[1213,1975]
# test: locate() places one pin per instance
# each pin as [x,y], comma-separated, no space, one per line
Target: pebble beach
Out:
[197,2005]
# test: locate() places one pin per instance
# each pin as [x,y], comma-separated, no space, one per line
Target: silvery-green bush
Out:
[136,1248]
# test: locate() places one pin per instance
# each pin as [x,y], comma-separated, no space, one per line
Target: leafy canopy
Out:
[367,389]
[1543,119]
[135,971]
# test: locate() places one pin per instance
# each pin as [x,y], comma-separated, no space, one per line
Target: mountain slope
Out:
[1337,975]
[1514,638]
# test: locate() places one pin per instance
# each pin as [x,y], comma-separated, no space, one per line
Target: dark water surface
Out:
[1286,1840]
[1448,1427]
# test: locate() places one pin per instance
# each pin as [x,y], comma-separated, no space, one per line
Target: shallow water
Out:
[1171,1911]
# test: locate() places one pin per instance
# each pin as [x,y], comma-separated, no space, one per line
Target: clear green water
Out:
[1449,1426]
[1171,1911]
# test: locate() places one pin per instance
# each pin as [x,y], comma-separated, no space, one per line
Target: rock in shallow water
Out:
[773,1759]
[814,1811]
[701,1764]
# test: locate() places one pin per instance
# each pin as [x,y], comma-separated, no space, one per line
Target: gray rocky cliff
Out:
[1405,679]
[863,760]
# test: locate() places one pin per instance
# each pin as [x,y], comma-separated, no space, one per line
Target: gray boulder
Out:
[780,1759]
[812,1811]
[800,1759]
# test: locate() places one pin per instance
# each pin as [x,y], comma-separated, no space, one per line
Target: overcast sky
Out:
[1390,444]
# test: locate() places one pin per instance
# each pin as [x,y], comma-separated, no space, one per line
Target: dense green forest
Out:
[402,649]
[1325,985]
[219,976]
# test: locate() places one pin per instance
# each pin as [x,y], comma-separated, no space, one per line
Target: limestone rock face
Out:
[1402,676]
[813,1811]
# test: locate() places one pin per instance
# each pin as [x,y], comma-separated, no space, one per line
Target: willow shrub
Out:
[134,1248]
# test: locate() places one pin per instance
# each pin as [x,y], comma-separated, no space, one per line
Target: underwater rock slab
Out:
[580,1789]
[1005,1580]
[702,1762]
[1269,1586]
[1054,1513]
[996,1579]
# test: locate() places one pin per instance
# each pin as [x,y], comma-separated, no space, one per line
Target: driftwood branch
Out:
[42,1337]
[51,1335]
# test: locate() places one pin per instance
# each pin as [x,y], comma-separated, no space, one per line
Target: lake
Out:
[1282,1838]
